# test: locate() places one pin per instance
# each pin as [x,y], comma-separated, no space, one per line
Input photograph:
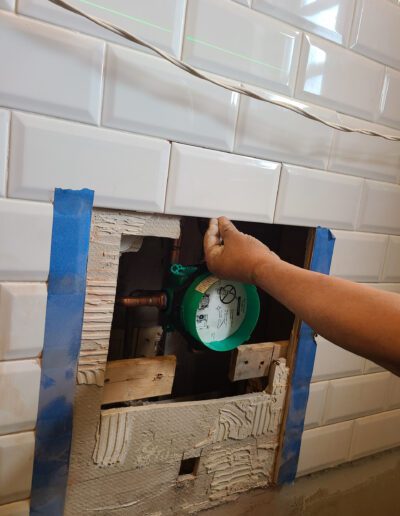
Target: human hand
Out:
[231,254]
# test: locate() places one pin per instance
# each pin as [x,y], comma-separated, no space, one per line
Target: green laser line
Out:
[230,52]
[124,15]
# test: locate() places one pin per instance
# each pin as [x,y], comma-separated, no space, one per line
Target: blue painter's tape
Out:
[303,368]
[64,317]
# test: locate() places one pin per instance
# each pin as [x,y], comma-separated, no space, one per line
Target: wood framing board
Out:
[134,455]
[254,360]
[108,227]
[138,378]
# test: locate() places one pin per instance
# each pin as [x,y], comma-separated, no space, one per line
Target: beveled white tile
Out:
[376,31]
[389,112]
[358,256]
[375,433]
[365,156]
[19,395]
[4,129]
[9,5]
[393,400]
[371,367]
[15,509]
[159,22]
[267,131]
[309,197]
[16,463]
[349,398]
[387,287]
[315,405]
[339,78]
[380,208]
[265,54]
[391,270]
[126,171]
[25,237]
[208,183]
[22,318]
[334,362]
[60,75]
[247,3]
[324,447]
[147,95]
[326,18]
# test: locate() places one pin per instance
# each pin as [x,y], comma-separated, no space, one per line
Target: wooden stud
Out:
[138,378]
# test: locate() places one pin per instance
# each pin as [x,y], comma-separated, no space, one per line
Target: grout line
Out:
[299,63]
[184,18]
[235,126]
[103,83]
[277,192]
[385,257]
[168,177]
[7,157]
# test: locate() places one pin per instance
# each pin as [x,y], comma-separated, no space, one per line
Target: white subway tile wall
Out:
[222,37]
[324,447]
[267,131]
[25,235]
[4,130]
[375,32]
[22,318]
[358,256]
[339,79]
[326,18]
[159,22]
[309,197]
[389,110]
[380,208]
[15,509]
[146,95]
[19,400]
[16,463]
[85,156]
[61,75]
[208,183]
[58,85]
[391,271]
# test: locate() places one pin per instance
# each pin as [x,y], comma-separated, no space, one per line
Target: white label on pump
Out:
[221,310]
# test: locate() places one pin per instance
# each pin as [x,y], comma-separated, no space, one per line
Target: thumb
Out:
[226,228]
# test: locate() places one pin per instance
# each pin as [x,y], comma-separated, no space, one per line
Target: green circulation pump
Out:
[221,314]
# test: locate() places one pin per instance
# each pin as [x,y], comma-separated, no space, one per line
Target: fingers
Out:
[226,227]
[211,238]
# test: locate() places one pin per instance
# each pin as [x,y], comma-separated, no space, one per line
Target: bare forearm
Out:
[359,318]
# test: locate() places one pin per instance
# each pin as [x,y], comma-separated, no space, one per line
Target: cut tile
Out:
[16,463]
[4,126]
[389,112]
[324,447]
[393,400]
[371,367]
[338,78]
[19,395]
[315,405]
[266,53]
[326,18]
[365,156]
[334,362]
[159,22]
[311,198]
[375,433]
[126,171]
[391,270]
[380,208]
[61,74]
[15,509]
[147,95]
[25,237]
[207,183]
[358,256]
[22,319]
[376,31]
[267,131]
[349,398]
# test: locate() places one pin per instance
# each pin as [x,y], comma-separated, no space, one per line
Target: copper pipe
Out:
[157,299]
[176,250]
